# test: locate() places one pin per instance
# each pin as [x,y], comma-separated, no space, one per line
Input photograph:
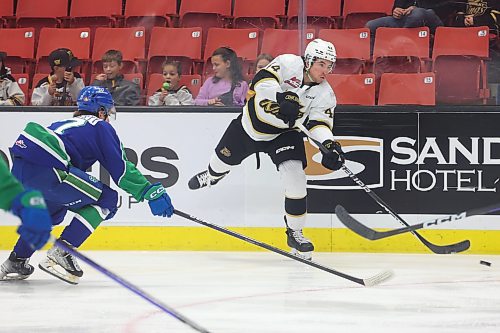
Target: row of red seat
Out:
[457,58]
[353,45]
[241,13]
[357,89]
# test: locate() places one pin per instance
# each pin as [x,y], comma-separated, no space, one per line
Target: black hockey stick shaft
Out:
[439,249]
[372,234]
[365,282]
[129,286]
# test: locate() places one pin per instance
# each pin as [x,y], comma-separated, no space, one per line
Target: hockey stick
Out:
[439,249]
[368,282]
[372,234]
[128,285]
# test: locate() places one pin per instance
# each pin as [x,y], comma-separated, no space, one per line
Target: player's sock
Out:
[86,220]
[23,249]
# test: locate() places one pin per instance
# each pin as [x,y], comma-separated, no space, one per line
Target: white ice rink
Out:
[260,292]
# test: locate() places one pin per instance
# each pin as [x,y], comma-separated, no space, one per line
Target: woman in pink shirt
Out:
[227,87]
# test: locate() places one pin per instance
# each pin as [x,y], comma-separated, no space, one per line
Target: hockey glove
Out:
[36,221]
[158,200]
[289,107]
[334,159]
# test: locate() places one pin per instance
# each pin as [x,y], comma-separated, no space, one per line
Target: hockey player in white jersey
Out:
[290,89]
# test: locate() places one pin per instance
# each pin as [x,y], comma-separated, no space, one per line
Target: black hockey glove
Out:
[289,107]
[334,159]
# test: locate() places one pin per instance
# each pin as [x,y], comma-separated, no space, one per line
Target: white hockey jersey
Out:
[285,73]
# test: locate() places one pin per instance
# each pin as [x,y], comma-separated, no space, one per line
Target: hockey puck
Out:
[485,263]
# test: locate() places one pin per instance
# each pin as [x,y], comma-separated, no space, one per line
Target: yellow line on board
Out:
[206,239]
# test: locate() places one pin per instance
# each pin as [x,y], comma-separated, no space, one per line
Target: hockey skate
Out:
[15,268]
[62,265]
[203,179]
[300,246]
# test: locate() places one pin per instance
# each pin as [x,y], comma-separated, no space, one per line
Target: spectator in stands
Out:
[10,92]
[262,61]
[63,85]
[124,92]
[475,13]
[227,87]
[412,14]
[171,92]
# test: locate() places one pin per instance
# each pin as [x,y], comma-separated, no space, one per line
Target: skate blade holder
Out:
[303,255]
[13,277]
[53,268]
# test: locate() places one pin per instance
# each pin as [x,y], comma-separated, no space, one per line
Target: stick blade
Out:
[377,279]
[449,249]
[353,224]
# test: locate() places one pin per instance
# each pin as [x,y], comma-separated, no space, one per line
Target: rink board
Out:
[420,170]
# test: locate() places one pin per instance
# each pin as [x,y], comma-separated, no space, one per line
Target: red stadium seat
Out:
[182,44]
[277,41]
[205,14]
[77,40]
[404,88]
[352,46]
[155,82]
[94,13]
[321,14]
[260,14]
[6,11]
[400,50]
[157,13]
[459,64]
[38,14]
[23,81]
[245,42]
[357,12]
[130,41]
[20,49]
[355,89]
[192,82]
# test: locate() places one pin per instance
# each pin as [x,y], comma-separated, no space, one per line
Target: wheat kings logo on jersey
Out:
[226,152]
[364,157]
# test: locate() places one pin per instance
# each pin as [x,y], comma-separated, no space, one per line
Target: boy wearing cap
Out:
[124,92]
[63,85]
[10,92]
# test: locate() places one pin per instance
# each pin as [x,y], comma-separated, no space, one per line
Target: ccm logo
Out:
[158,192]
[279,150]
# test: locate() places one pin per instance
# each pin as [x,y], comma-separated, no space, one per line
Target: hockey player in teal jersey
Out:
[54,159]
[30,207]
